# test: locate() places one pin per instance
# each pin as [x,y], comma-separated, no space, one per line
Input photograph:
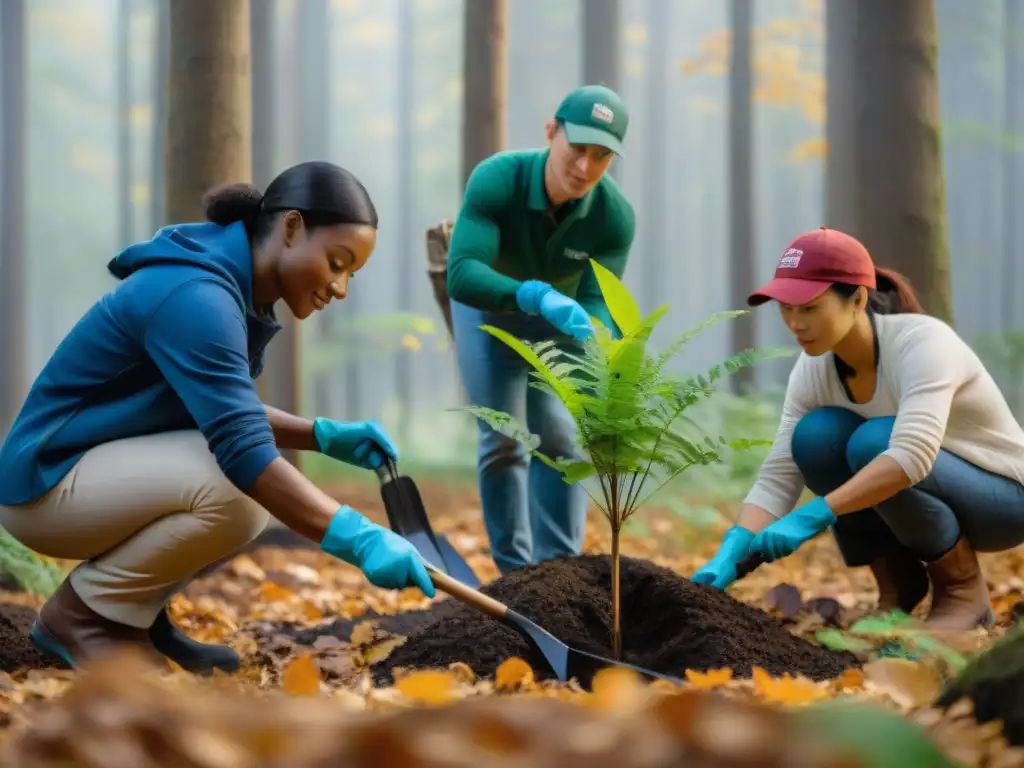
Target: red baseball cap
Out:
[812,263]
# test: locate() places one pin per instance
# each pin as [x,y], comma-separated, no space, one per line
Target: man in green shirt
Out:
[519,260]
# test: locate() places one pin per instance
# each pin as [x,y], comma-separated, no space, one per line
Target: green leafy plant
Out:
[35,574]
[628,408]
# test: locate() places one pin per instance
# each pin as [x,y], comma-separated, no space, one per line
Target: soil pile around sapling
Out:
[16,649]
[669,625]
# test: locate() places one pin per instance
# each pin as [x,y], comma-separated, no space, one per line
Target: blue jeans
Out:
[831,444]
[530,512]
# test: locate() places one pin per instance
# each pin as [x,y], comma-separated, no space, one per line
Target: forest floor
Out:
[336,672]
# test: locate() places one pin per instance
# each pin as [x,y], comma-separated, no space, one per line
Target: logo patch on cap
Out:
[602,113]
[790,258]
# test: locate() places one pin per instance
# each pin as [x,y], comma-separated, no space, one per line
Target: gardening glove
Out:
[720,571]
[359,443]
[387,560]
[784,537]
[535,297]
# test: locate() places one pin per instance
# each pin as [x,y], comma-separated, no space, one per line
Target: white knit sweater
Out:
[935,386]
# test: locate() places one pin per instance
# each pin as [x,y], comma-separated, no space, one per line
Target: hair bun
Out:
[231,203]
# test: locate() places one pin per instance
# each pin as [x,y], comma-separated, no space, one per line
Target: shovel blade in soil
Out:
[583,666]
[568,663]
[554,651]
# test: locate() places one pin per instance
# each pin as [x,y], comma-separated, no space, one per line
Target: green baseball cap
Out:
[594,114]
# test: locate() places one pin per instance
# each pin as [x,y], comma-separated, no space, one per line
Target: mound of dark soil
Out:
[994,682]
[669,625]
[16,650]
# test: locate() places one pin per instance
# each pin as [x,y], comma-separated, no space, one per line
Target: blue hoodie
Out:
[175,346]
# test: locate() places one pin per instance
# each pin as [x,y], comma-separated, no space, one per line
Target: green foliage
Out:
[35,574]
[630,411]
[895,741]
[893,635]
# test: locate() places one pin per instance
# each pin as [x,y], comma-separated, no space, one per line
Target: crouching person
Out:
[892,421]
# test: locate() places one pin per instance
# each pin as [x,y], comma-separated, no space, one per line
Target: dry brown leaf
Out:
[363,633]
[301,677]
[908,683]
[379,651]
[707,681]
[513,674]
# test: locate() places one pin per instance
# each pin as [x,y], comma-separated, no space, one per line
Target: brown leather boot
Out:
[902,581]
[960,597]
[71,630]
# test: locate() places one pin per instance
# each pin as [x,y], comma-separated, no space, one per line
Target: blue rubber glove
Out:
[388,560]
[784,537]
[360,443]
[535,297]
[720,571]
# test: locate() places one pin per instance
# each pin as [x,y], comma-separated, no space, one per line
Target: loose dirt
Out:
[669,625]
[16,650]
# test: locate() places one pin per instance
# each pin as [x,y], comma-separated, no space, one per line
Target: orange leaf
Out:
[301,677]
[513,673]
[616,688]
[707,681]
[790,691]
[271,592]
[851,678]
[428,686]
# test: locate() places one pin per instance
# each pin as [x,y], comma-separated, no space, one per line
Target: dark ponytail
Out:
[324,194]
[893,294]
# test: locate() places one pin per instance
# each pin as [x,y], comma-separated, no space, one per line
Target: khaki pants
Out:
[145,514]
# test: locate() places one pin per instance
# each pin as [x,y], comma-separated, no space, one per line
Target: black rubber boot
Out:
[189,654]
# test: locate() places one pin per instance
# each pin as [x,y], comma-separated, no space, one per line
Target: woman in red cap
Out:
[892,421]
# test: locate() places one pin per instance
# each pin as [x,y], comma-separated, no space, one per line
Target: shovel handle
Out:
[749,563]
[465,593]
[387,470]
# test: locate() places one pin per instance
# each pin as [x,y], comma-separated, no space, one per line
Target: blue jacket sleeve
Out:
[197,339]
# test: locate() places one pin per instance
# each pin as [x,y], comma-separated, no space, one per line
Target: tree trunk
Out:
[280,384]
[742,273]
[901,198]
[125,144]
[841,161]
[209,119]
[656,170]
[158,149]
[602,49]
[485,81]
[13,285]
[1012,125]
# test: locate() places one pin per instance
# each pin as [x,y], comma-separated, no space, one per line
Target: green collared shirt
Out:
[507,232]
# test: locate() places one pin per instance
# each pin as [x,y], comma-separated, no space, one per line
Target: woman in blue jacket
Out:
[143,449]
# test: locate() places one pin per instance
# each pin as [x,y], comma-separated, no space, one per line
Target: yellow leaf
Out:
[270,592]
[707,681]
[301,677]
[363,633]
[786,690]
[621,304]
[411,342]
[513,673]
[375,654]
[430,687]
[424,325]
